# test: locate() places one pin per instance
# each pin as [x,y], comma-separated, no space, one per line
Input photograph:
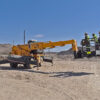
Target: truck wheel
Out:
[79,54]
[93,53]
[13,65]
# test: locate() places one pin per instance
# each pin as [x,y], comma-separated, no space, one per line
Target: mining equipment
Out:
[32,53]
[93,49]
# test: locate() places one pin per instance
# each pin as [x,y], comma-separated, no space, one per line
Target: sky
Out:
[48,20]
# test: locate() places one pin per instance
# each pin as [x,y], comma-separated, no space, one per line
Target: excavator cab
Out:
[32,41]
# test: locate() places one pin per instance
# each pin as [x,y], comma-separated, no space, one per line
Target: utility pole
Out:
[13,42]
[24,36]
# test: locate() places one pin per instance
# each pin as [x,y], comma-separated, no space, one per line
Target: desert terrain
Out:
[67,79]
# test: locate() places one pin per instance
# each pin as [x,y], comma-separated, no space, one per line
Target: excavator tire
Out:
[28,66]
[13,65]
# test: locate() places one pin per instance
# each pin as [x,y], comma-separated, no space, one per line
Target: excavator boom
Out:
[32,53]
[24,50]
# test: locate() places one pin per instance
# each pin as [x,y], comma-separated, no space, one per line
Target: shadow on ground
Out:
[52,74]
[69,74]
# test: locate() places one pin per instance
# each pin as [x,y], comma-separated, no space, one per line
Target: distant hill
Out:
[5,49]
[70,51]
[67,52]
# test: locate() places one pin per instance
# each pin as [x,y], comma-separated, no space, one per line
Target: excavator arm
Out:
[31,53]
[25,50]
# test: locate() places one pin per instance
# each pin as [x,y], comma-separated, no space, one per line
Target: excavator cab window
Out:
[32,41]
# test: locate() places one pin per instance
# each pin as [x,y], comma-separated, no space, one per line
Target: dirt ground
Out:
[65,80]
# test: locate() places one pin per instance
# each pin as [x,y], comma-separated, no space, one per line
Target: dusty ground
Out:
[66,80]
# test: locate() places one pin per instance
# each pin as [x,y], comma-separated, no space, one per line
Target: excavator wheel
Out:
[13,65]
[28,66]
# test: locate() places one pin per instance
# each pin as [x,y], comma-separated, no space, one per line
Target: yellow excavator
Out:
[32,53]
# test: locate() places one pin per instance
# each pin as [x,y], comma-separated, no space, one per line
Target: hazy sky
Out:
[46,20]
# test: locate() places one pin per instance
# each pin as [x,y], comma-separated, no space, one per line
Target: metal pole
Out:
[13,42]
[24,36]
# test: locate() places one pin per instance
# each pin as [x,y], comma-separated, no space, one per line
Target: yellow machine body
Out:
[24,50]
